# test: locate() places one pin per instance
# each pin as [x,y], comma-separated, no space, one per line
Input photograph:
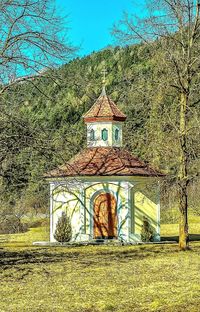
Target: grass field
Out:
[168,231]
[94,279]
[98,278]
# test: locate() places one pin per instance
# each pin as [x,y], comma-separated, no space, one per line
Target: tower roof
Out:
[104,109]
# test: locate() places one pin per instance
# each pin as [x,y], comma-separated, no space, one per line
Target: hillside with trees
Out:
[42,126]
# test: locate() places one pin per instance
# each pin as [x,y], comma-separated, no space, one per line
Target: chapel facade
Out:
[105,190]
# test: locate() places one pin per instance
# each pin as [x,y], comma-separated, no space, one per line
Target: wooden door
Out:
[105,216]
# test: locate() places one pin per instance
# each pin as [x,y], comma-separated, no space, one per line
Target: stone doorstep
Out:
[100,243]
[76,244]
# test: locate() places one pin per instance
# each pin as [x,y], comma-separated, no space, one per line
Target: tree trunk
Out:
[183,223]
[183,178]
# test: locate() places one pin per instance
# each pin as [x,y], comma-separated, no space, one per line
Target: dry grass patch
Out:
[99,279]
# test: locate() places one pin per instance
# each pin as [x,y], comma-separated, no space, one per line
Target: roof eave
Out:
[103,118]
[106,175]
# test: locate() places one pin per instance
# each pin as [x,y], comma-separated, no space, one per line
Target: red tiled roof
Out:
[104,109]
[104,161]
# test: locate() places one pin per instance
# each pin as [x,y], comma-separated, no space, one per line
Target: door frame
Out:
[94,196]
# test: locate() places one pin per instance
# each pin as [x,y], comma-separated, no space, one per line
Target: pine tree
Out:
[63,232]
[147,233]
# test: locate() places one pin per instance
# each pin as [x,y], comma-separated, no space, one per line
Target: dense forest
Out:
[42,127]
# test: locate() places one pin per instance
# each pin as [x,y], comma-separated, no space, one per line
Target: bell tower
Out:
[104,123]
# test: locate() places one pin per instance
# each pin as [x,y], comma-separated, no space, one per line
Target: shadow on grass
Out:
[192,238]
[86,258]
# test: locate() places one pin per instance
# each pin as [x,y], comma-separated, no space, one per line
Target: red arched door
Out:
[105,216]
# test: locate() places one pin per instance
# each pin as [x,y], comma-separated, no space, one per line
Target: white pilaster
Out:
[52,239]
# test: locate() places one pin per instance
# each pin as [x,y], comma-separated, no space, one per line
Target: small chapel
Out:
[105,190]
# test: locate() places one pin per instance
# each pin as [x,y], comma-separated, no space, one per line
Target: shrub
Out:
[63,232]
[148,232]
[11,224]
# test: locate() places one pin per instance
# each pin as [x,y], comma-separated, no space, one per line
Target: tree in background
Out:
[33,40]
[173,28]
[33,43]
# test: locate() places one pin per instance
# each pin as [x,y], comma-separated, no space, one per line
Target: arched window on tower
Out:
[104,134]
[116,134]
[92,135]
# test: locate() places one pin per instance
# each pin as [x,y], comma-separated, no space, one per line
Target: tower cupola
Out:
[104,123]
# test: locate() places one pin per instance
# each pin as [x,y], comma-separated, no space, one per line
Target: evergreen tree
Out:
[147,233]
[63,232]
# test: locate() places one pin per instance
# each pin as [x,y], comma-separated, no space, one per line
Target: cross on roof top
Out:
[104,72]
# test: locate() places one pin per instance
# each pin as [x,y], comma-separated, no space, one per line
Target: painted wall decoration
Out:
[130,200]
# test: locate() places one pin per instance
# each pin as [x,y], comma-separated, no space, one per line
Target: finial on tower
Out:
[104,72]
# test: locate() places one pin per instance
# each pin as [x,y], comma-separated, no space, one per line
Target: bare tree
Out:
[175,24]
[33,39]
[33,42]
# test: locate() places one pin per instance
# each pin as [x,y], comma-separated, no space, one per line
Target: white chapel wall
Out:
[134,202]
[146,204]
[69,201]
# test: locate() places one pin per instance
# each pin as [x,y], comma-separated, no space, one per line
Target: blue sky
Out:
[90,21]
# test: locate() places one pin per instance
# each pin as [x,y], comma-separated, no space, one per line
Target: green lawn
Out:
[94,279]
[42,233]
[27,238]
[170,231]
[98,278]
